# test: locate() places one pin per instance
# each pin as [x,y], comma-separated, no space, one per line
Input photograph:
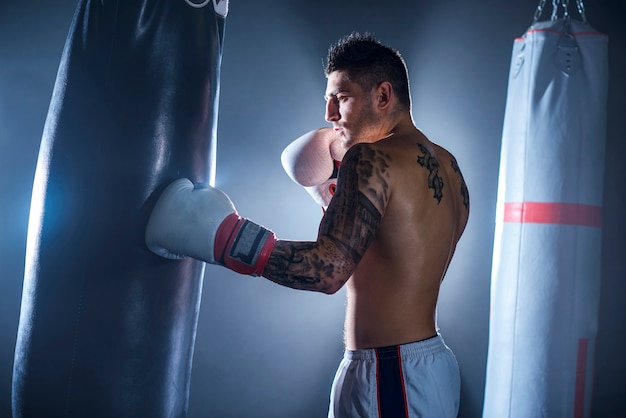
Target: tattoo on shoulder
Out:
[464,191]
[373,176]
[365,183]
[435,181]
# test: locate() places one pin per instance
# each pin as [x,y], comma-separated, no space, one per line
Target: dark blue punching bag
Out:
[106,327]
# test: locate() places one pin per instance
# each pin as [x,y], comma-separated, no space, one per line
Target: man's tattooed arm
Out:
[346,230]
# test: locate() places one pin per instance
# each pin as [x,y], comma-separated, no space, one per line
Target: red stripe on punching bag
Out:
[553,213]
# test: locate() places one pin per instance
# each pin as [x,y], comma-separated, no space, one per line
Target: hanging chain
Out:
[581,10]
[555,10]
[539,10]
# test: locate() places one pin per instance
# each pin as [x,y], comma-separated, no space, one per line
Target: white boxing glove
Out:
[201,222]
[313,161]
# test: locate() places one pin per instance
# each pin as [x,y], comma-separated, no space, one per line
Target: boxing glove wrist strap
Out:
[243,246]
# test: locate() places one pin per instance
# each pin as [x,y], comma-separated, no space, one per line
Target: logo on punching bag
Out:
[220,6]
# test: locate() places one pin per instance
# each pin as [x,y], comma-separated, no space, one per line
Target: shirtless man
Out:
[388,234]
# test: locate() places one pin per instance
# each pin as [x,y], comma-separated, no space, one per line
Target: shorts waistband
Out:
[416,349]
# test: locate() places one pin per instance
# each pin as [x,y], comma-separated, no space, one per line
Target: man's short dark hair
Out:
[368,63]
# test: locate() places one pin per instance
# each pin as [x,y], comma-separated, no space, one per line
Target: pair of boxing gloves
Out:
[201,222]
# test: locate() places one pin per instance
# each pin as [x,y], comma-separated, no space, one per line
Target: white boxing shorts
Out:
[419,379]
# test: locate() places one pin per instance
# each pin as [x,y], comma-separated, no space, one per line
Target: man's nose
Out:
[332,111]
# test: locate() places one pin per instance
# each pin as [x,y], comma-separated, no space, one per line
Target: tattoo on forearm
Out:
[289,265]
[435,181]
[306,266]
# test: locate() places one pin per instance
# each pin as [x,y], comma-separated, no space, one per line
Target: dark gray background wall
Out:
[267,351]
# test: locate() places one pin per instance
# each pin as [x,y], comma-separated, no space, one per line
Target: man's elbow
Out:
[332,287]
[331,290]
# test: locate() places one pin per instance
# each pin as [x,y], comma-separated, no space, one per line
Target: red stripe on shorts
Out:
[390,388]
[406,402]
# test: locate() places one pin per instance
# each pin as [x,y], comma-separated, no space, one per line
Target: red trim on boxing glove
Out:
[243,246]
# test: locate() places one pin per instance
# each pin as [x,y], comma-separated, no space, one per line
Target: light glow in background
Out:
[266,351]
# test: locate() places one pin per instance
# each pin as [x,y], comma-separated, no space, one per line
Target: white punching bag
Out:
[546,265]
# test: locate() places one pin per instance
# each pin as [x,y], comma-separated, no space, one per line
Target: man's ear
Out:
[384,95]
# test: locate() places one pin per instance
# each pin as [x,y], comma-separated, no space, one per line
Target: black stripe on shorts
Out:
[392,402]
